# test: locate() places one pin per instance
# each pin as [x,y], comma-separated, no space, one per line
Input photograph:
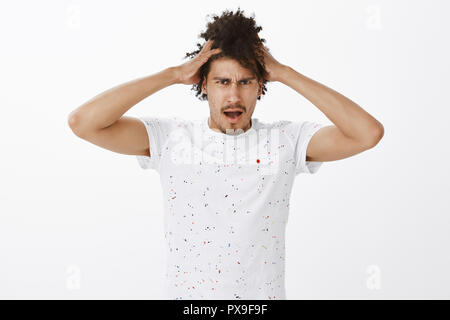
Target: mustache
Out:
[234,107]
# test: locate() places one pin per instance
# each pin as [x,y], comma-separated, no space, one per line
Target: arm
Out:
[354,129]
[100,120]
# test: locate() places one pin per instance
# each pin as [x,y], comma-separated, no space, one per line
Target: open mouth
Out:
[233,116]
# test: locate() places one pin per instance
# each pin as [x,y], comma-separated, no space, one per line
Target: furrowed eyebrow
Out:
[243,79]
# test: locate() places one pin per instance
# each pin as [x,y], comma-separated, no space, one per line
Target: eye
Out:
[226,81]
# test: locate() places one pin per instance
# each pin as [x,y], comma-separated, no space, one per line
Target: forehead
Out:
[226,67]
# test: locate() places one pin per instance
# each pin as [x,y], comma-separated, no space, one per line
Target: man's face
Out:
[230,87]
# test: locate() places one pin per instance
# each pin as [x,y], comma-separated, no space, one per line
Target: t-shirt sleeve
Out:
[158,131]
[302,134]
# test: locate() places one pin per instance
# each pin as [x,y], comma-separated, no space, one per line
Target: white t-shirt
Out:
[226,203]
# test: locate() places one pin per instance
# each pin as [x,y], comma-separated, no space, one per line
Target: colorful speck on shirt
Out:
[225,220]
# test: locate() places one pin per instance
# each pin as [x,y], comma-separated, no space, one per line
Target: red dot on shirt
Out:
[257,160]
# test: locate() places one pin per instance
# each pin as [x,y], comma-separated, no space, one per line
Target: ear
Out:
[259,88]
[204,90]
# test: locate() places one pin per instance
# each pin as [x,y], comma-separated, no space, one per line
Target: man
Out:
[226,178]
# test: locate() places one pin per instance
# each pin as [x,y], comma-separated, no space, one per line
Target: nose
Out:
[234,93]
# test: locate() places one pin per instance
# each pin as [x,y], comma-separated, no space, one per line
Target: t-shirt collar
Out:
[210,131]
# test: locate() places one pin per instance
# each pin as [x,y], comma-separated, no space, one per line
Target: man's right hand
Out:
[188,73]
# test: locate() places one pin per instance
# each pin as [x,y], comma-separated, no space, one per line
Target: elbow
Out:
[376,136]
[73,121]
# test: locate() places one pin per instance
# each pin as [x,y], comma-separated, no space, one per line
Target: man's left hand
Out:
[273,67]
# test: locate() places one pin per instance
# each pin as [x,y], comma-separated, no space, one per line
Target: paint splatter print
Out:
[226,202]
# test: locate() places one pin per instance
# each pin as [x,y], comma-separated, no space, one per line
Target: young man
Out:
[226,178]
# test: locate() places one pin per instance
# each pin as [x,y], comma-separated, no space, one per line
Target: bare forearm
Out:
[350,118]
[107,107]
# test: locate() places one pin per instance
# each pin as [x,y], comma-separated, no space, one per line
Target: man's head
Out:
[232,91]
[233,79]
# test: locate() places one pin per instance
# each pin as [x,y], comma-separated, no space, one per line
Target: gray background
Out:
[78,221]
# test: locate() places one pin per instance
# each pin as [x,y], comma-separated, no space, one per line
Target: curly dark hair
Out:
[238,38]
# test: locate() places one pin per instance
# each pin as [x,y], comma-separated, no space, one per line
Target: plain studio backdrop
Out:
[78,221]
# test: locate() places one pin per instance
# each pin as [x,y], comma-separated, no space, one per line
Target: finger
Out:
[215,51]
[207,46]
[205,57]
[210,52]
